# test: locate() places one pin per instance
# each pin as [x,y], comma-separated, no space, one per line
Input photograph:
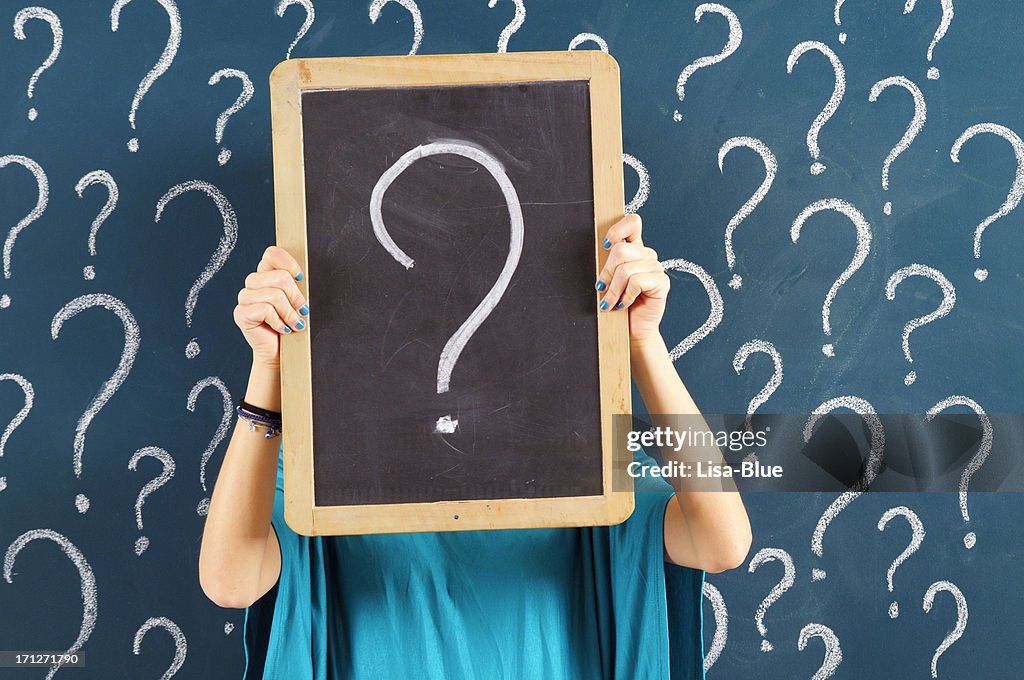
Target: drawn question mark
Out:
[581,38]
[739,362]
[512,26]
[114,382]
[180,643]
[944,308]
[306,23]
[218,436]
[721,613]
[86,577]
[220,255]
[771,167]
[788,579]
[643,190]
[20,416]
[152,485]
[838,91]
[839,22]
[733,42]
[42,196]
[101,177]
[979,458]
[243,98]
[874,463]
[916,538]
[457,342]
[947,19]
[1016,191]
[53,21]
[961,617]
[833,652]
[162,64]
[413,9]
[716,314]
[913,129]
[859,256]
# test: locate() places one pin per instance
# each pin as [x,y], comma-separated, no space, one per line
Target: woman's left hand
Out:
[633,279]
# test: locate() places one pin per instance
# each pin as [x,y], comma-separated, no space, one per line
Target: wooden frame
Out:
[287,82]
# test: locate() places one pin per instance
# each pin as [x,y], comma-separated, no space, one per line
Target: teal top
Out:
[559,604]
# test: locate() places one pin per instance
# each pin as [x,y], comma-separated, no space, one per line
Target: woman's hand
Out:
[633,278]
[270,304]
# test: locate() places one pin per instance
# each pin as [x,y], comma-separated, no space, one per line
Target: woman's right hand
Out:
[271,304]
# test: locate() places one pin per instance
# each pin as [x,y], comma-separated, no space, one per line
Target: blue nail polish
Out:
[298,277]
[304,310]
[607,243]
[300,324]
[287,330]
[618,306]
[604,305]
[600,285]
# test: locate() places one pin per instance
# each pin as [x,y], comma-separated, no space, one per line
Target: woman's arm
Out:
[703,529]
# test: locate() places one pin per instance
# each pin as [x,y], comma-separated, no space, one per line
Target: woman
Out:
[540,603]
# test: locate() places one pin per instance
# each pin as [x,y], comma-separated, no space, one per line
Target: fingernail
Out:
[600,285]
[607,243]
[304,310]
[287,330]
[298,277]
[604,305]
[300,324]
[618,306]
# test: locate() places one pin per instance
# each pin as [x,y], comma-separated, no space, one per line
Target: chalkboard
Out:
[451,242]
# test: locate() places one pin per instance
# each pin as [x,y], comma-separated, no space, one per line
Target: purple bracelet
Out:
[273,426]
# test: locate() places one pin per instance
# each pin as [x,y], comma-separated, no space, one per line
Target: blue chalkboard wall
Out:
[82,562]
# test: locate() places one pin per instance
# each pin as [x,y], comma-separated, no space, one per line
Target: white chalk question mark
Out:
[218,436]
[916,538]
[874,463]
[763,556]
[944,308]
[220,255]
[180,643]
[53,21]
[413,9]
[457,342]
[643,187]
[716,314]
[721,613]
[581,38]
[947,19]
[19,417]
[859,256]
[243,98]
[114,382]
[838,91]
[979,458]
[731,45]
[86,578]
[1016,191]
[152,485]
[103,178]
[42,196]
[913,129]
[839,22]
[739,362]
[961,617]
[771,167]
[306,23]
[833,652]
[512,26]
[162,64]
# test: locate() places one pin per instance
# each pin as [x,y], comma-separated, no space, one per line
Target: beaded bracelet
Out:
[273,425]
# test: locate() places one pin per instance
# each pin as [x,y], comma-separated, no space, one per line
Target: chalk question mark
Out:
[763,556]
[739,362]
[979,458]
[733,42]
[859,256]
[152,485]
[53,21]
[512,26]
[916,538]
[947,19]
[306,23]
[833,652]
[913,129]
[643,189]
[42,196]
[721,613]
[771,167]
[180,644]
[874,463]
[220,255]
[413,9]
[87,584]
[457,342]
[944,308]
[103,178]
[218,436]
[114,382]
[581,38]
[961,617]
[20,416]
[716,314]
[243,98]
[838,91]
[162,64]
[1016,191]
[839,22]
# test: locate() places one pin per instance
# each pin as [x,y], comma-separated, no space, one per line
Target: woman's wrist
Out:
[647,348]
[264,388]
